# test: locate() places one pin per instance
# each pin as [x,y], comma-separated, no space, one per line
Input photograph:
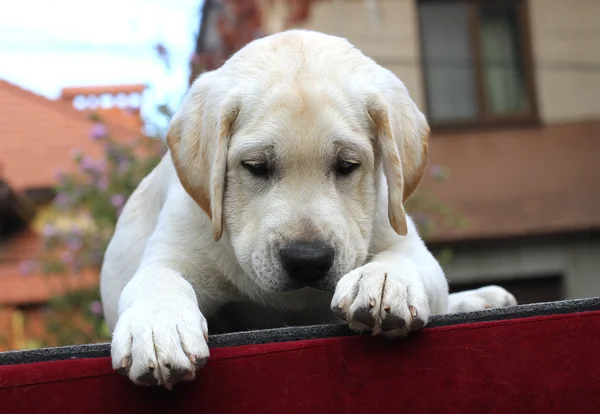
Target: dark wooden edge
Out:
[310,332]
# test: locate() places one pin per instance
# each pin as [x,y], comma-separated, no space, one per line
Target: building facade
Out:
[511,89]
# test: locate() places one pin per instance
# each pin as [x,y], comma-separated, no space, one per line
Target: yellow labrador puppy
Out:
[283,189]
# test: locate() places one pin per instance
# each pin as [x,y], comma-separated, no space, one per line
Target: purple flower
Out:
[92,166]
[103,184]
[49,231]
[59,175]
[87,163]
[98,132]
[74,244]
[95,307]
[117,200]
[66,257]
[62,200]
[26,267]
[122,166]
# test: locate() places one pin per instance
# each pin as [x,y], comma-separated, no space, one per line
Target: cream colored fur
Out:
[201,231]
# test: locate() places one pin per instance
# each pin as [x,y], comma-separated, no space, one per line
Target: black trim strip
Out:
[309,332]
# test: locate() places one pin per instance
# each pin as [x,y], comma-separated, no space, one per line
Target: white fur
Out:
[297,93]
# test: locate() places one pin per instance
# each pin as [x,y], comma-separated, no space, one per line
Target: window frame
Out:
[486,119]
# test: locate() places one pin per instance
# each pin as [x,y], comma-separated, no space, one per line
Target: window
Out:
[476,61]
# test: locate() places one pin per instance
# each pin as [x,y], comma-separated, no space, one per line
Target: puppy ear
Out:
[198,138]
[402,133]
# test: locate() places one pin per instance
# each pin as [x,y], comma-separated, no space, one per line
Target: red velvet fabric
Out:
[546,364]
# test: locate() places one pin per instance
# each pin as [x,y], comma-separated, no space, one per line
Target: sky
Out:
[46,45]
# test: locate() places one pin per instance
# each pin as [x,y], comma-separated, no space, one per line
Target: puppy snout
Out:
[307,261]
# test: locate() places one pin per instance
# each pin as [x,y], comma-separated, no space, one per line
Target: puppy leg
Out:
[479,299]
[161,334]
[397,291]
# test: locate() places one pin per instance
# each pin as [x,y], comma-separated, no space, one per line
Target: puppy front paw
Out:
[486,297]
[160,342]
[383,299]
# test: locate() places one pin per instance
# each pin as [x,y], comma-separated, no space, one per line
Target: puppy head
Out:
[284,148]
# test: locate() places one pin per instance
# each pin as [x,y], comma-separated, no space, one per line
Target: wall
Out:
[566,47]
[577,259]
[392,40]
[565,39]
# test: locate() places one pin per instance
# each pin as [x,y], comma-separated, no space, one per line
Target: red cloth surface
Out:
[548,364]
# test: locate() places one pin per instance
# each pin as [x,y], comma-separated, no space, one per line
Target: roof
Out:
[515,182]
[72,92]
[118,109]
[37,136]
[18,289]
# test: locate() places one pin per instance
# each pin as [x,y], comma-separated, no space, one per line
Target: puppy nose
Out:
[307,261]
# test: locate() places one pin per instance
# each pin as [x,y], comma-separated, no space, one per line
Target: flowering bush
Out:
[85,209]
[92,197]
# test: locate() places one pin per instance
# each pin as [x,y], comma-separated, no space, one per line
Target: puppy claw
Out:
[364,317]
[147,378]
[392,323]
[417,324]
[179,374]
[122,371]
[172,350]
[200,363]
[339,312]
[125,366]
[391,302]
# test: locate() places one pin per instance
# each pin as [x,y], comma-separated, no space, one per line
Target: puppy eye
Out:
[256,168]
[345,167]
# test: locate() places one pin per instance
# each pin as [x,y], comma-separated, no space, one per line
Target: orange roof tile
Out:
[37,136]
[19,290]
[71,92]
[113,113]
[16,288]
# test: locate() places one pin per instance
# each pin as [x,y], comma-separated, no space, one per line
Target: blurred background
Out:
[511,89]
